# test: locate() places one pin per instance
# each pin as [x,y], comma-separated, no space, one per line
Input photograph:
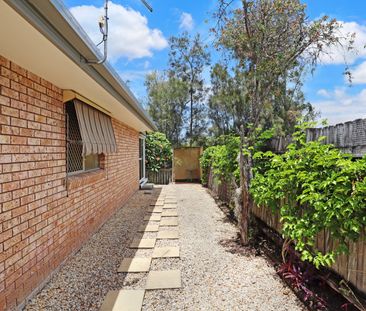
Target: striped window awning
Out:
[96,130]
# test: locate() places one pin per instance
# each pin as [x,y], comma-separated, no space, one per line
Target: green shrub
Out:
[158,151]
[314,187]
[222,158]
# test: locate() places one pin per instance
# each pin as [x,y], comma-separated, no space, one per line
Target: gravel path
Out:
[214,277]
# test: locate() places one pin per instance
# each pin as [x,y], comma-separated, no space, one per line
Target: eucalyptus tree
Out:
[188,58]
[167,104]
[228,106]
[273,43]
[227,100]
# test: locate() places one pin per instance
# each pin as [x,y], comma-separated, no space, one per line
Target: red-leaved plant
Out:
[301,277]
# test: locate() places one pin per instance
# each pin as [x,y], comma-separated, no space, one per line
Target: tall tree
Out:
[271,40]
[187,59]
[228,107]
[227,100]
[167,104]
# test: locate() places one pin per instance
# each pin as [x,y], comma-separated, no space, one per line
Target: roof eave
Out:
[58,25]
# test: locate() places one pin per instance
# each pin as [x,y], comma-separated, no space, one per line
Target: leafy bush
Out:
[314,187]
[205,162]
[222,158]
[158,151]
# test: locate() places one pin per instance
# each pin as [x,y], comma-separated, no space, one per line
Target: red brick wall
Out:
[40,223]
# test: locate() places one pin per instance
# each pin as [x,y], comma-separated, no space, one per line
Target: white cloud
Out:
[339,54]
[339,106]
[359,74]
[323,93]
[129,33]
[186,21]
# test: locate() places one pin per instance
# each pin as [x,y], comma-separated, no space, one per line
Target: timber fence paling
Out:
[221,189]
[351,267]
[349,137]
[162,177]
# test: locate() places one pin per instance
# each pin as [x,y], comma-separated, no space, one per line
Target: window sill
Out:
[85,179]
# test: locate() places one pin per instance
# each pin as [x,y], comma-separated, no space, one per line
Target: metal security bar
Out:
[74,141]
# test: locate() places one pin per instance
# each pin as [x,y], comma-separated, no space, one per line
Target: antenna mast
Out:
[103,27]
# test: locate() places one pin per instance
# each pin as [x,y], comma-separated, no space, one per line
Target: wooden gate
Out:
[186,164]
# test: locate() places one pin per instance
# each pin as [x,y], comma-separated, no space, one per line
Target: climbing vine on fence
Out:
[222,158]
[314,187]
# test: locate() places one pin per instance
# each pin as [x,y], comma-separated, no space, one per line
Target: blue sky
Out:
[138,45]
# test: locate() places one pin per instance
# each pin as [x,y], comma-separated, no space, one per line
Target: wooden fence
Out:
[351,267]
[163,177]
[223,191]
[350,137]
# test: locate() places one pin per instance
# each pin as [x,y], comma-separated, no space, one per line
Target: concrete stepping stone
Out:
[169,206]
[143,243]
[123,300]
[170,202]
[169,212]
[171,221]
[169,279]
[157,212]
[157,209]
[157,204]
[166,252]
[153,217]
[149,228]
[153,213]
[135,265]
[170,235]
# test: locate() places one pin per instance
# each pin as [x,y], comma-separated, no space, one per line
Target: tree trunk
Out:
[191,120]
[245,165]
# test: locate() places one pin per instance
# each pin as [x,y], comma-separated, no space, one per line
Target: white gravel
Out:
[214,276]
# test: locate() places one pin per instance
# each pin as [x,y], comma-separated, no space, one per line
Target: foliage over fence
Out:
[314,187]
[222,158]
[158,152]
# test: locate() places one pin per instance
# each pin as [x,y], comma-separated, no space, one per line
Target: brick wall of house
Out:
[40,222]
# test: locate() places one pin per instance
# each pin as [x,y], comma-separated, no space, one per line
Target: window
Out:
[76,162]
[89,134]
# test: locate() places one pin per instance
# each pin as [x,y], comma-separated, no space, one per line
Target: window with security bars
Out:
[76,163]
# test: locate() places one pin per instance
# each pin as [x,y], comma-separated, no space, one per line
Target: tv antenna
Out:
[103,27]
